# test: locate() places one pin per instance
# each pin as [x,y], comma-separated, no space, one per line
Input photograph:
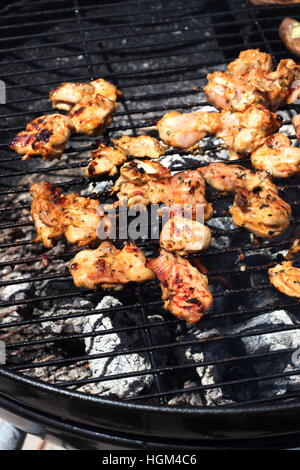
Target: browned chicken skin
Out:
[278,157]
[184,289]
[263,213]
[106,160]
[56,215]
[257,206]
[155,186]
[45,136]
[110,268]
[286,278]
[91,115]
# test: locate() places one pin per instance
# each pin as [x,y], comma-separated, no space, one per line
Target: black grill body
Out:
[159,56]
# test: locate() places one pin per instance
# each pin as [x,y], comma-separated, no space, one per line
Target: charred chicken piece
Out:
[45,136]
[56,215]
[185,130]
[277,157]
[91,115]
[142,146]
[184,289]
[109,268]
[233,178]
[106,160]
[154,185]
[262,212]
[183,236]
[66,95]
[286,278]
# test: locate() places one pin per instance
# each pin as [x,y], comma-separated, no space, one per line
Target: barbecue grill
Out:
[98,369]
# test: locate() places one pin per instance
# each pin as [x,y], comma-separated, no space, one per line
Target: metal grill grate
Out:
[159,56]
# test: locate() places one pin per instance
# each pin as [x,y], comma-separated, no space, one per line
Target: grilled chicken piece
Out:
[242,132]
[109,268]
[228,92]
[91,115]
[56,215]
[263,212]
[154,185]
[249,60]
[245,132]
[277,157]
[106,89]
[141,146]
[286,278]
[185,130]
[66,95]
[106,160]
[251,80]
[45,136]
[182,236]
[184,289]
[233,178]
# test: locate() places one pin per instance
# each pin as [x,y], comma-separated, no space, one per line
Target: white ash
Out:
[15,291]
[108,343]
[277,364]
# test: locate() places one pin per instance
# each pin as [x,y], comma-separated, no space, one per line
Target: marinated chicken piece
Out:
[106,160]
[184,289]
[141,146]
[66,95]
[249,60]
[106,89]
[80,220]
[245,132]
[182,236]
[46,212]
[242,132]
[185,130]
[45,136]
[251,80]
[110,268]
[296,124]
[91,115]
[280,86]
[286,278]
[136,187]
[233,178]
[56,215]
[262,212]
[277,157]
[229,92]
